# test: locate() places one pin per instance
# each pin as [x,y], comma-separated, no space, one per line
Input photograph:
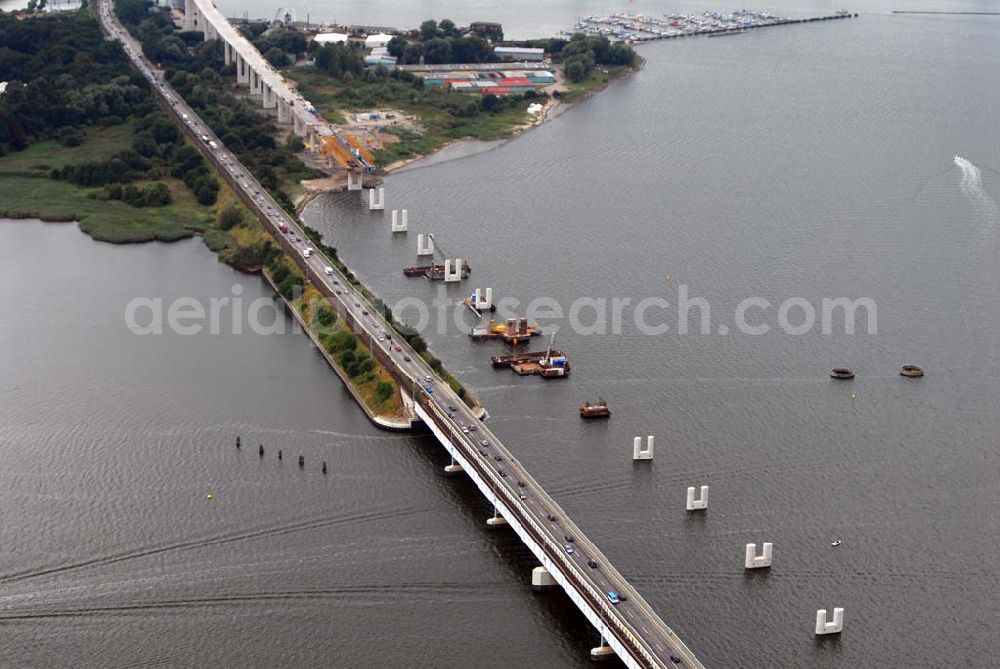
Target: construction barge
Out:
[508,361]
[549,364]
[434,272]
[515,331]
[596,410]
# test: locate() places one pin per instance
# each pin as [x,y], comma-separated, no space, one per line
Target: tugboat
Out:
[595,410]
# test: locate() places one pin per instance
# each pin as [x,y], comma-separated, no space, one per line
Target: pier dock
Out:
[633,28]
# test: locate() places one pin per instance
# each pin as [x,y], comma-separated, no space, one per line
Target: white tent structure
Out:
[377,40]
[331,38]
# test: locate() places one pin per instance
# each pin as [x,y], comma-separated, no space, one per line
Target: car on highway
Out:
[328,270]
[357,304]
[364,312]
[568,549]
[675,659]
[339,291]
[569,539]
[406,358]
[551,517]
[307,252]
[381,338]
[613,597]
[397,348]
[592,563]
[483,441]
[429,389]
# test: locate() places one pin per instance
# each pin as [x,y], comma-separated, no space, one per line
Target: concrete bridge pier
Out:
[541,579]
[602,652]
[425,244]
[373,203]
[638,453]
[482,300]
[242,71]
[352,184]
[256,85]
[299,128]
[452,273]
[399,223]
[227,53]
[283,111]
[497,521]
[270,99]
[192,18]
[697,504]
[835,626]
[453,469]
[753,561]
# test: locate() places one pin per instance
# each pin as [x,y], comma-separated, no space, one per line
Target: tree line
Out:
[62,75]
[439,43]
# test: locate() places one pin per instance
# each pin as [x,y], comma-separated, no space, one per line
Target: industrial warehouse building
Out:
[519,53]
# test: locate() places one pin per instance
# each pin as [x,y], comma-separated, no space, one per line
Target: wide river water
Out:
[847,159]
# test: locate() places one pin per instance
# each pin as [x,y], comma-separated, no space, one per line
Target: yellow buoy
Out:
[208,496]
[854,396]
[668,277]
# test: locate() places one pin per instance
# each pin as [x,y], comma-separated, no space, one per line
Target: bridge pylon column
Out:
[270,99]
[496,521]
[242,70]
[541,579]
[399,222]
[453,469]
[602,652]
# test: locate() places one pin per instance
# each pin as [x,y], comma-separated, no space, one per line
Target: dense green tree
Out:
[437,50]
[429,30]
[396,46]
[412,54]
[277,57]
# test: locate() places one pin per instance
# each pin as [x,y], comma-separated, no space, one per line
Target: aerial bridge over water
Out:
[626,624]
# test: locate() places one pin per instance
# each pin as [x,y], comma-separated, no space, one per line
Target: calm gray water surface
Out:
[804,162]
[813,161]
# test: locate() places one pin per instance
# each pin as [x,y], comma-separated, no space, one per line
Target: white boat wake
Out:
[972,186]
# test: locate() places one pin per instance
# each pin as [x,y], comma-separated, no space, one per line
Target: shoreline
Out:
[466,147]
[553,108]
[484,146]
